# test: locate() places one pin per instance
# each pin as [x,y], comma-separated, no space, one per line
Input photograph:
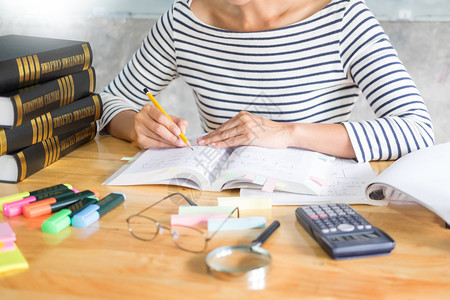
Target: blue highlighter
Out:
[93,212]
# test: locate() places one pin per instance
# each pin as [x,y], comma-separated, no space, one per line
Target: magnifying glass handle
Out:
[265,234]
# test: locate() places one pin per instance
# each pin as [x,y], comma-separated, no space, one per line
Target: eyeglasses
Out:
[186,238]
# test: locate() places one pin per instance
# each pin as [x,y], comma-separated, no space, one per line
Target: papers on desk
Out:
[347,184]
[422,176]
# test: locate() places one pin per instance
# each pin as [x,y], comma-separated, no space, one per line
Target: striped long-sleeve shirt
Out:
[311,71]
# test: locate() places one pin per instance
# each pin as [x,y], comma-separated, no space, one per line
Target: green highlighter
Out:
[62,219]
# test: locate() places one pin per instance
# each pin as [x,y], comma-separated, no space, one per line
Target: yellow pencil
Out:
[147,92]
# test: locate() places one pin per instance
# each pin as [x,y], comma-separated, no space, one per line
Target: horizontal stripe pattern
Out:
[312,71]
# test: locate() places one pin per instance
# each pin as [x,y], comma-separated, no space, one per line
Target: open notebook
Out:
[209,169]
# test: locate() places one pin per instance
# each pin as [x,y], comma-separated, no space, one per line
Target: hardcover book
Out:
[58,121]
[19,106]
[16,167]
[27,60]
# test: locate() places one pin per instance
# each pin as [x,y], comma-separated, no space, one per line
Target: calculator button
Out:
[368,226]
[325,230]
[346,227]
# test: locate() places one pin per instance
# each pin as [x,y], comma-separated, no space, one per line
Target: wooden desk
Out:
[104,261]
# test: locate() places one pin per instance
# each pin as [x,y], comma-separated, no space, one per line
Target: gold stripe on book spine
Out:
[50,152]
[58,148]
[32,69]
[46,154]
[61,92]
[68,91]
[93,131]
[26,68]
[23,166]
[97,106]
[3,142]
[64,95]
[34,127]
[20,69]
[87,56]
[91,80]
[38,67]
[72,89]
[50,124]
[39,129]
[44,127]
[52,157]
[19,109]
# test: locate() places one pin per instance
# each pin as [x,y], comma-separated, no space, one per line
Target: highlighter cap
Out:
[38,208]
[13,209]
[86,217]
[57,222]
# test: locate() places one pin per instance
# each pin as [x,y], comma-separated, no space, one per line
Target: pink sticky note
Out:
[249,177]
[269,185]
[7,246]
[7,237]
[319,181]
[193,220]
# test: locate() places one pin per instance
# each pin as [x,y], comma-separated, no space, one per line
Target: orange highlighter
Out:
[51,205]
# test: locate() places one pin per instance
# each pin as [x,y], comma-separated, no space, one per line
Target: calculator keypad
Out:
[335,218]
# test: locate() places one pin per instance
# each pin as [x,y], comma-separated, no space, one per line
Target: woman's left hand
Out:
[251,130]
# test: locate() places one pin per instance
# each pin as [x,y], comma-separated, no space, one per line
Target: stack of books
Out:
[48,107]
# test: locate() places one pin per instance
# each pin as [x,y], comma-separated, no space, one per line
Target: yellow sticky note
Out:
[12,260]
[246,202]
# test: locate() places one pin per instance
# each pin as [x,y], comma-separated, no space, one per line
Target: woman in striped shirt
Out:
[272,74]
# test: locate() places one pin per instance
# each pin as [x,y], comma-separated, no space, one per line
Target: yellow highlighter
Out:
[147,92]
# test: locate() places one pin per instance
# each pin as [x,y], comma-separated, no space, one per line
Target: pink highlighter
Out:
[13,209]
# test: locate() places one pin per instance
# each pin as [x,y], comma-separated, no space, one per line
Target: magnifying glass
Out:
[242,262]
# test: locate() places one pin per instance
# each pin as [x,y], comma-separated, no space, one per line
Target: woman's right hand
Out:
[152,129]
[149,128]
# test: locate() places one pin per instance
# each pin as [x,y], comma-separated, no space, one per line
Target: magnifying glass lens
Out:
[238,260]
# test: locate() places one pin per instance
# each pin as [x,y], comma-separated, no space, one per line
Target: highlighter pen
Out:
[13,209]
[51,205]
[62,218]
[95,211]
[15,197]
[181,135]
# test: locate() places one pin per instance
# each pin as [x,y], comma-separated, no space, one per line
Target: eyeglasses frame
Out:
[161,226]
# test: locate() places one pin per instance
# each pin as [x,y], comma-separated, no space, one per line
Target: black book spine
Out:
[38,156]
[31,69]
[37,100]
[56,122]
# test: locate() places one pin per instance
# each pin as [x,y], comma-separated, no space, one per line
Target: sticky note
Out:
[249,177]
[236,223]
[12,260]
[259,180]
[6,246]
[192,210]
[246,202]
[193,220]
[319,181]
[7,237]
[269,185]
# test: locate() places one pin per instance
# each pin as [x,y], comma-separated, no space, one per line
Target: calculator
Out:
[342,232]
